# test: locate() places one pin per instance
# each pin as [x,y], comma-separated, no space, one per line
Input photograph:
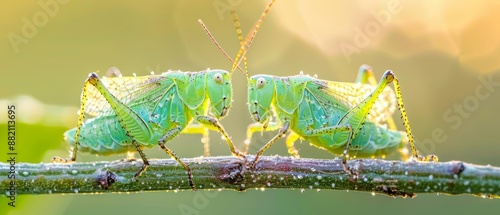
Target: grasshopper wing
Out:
[349,95]
[129,90]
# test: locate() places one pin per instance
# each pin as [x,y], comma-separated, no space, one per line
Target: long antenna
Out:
[217,44]
[244,45]
[237,25]
[244,48]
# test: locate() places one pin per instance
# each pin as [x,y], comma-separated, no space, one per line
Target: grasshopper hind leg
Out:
[390,77]
[365,75]
[81,119]
[111,72]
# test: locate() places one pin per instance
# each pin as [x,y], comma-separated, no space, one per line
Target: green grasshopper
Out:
[131,113]
[349,119]
[342,118]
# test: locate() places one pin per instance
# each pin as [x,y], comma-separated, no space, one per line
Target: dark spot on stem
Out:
[232,173]
[105,179]
[458,168]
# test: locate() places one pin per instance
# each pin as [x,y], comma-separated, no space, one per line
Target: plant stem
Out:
[393,178]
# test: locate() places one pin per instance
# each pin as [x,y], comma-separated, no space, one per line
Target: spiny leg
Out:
[283,130]
[257,127]
[345,153]
[167,137]
[212,123]
[363,108]
[145,162]
[115,72]
[366,76]
[136,129]
[406,123]
[356,116]
[81,118]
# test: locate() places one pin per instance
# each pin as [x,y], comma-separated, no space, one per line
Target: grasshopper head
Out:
[220,92]
[260,96]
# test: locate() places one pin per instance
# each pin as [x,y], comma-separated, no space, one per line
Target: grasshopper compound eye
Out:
[218,78]
[261,82]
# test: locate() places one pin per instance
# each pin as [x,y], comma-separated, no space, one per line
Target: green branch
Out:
[393,178]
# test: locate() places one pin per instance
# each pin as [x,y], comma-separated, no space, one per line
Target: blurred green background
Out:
[440,50]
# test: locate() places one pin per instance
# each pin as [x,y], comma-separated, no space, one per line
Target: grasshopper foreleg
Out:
[284,129]
[212,123]
[257,127]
